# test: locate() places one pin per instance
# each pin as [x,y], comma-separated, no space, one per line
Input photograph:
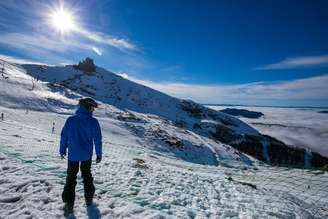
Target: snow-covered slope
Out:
[159,161]
[51,86]
[126,95]
[133,181]
[57,89]
[20,90]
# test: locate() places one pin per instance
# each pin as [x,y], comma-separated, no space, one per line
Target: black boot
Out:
[68,209]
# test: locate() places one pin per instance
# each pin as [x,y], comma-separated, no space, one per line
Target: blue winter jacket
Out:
[79,134]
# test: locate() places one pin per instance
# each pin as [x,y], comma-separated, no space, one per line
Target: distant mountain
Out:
[242,113]
[270,106]
[170,120]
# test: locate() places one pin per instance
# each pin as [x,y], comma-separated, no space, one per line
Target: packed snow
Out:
[144,172]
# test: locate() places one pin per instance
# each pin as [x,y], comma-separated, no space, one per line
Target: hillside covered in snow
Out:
[149,114]
[134,98]
[163,157]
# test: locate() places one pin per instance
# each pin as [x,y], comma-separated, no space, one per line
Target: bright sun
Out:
[62,20]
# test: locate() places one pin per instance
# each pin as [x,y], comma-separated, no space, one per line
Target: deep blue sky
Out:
[195,43]
[222,41]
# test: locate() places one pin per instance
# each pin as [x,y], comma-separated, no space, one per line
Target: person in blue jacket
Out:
[78,136]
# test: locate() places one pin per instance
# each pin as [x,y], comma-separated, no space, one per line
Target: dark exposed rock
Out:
[180,124]
[128,117]
[268,137]
[224,120]
[196,126]
[319,161]
[281,154]
[251,145]
[224,134]
[242,112]
[242,183]
[168,139]
[140,163]
[17,136]
[192,108]
[138,160]
[88,92]
[324,111]
[277,151]
[279,125]
[174,142]
[86,65]
[324,168]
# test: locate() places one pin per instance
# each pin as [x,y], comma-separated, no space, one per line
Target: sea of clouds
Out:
[301,127]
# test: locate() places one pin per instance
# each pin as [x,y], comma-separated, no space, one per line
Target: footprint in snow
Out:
[10,199]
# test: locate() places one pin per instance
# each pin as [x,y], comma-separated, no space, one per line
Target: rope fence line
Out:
[61,176]
[310,186]
[307,186]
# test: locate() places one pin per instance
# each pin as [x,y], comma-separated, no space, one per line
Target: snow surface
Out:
[32,178]
[140,175]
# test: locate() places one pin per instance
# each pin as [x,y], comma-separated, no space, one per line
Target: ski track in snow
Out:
[33,175]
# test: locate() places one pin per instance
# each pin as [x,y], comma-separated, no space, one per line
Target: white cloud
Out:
[18,60]
[124,75]
[45,47]
[97,51]
[36,42]
[41,47]
[294,126]
[102,38]
[313,88]
[31,33]
[297,62]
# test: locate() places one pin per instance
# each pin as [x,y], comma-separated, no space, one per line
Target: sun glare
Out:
[62,20]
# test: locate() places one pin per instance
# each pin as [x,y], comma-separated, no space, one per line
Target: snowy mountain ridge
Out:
[157,163]
[112,89]
[35,87]
[62,85]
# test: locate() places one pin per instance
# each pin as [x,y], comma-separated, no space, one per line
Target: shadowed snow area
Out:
[154,165]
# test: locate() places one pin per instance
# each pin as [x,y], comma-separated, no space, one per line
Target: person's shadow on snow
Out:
[93,212]
[71,216]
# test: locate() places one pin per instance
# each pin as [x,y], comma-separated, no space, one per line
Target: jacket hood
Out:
[83,112]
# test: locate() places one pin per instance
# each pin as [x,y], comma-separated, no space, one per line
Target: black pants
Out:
[68,194]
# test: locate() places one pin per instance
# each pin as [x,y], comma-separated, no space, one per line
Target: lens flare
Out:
[62,20]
